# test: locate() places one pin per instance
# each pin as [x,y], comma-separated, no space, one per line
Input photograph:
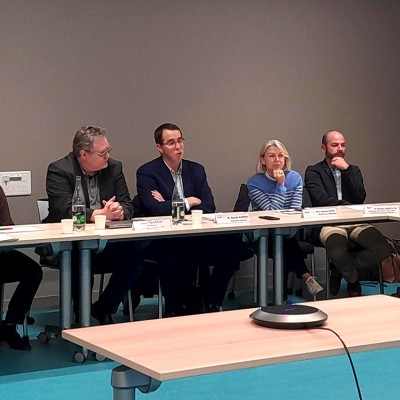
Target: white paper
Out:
[325,212]
[232,219]
[381,209]
[209,217]
[18,229]
[152,224]
[7,238]
[357,207]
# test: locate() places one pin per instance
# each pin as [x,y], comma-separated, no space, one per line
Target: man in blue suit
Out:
[180,257]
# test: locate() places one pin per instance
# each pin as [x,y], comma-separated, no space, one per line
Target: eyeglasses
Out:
[102,154]
[172,143]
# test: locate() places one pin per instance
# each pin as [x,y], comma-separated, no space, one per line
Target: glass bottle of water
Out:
[178,201]
[78,206]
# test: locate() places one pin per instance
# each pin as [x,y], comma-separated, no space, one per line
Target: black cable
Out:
[349,356]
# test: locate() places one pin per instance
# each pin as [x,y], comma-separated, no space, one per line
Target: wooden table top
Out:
[201,344]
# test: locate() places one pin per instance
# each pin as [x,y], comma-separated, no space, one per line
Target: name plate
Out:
[381,210]
[327,212]
[232,219]
[152,224]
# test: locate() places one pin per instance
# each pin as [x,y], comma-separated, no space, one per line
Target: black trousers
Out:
[125,262]
[180,259]
[18,267]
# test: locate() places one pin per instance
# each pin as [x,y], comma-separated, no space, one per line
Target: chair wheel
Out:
[79,357]
[99,357]
[43,337]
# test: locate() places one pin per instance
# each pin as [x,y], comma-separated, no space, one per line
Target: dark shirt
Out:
[60,184]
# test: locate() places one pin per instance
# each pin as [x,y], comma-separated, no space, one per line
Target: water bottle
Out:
[178,201]
[78,206]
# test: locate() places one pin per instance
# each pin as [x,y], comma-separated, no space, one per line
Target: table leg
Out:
[125,381]
[262,261]
[85,286]
[278,269]
[65,290]
[278,234]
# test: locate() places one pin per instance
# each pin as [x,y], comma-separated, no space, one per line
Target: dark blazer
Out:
[60,184]
[155,175]
[321,186]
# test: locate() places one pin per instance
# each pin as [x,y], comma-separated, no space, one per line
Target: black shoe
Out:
[101,316]
[354,289]
[9,334]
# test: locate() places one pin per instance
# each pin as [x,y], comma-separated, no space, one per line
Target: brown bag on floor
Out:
[391,266]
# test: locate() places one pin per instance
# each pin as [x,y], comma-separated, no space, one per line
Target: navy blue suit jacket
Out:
[155,175]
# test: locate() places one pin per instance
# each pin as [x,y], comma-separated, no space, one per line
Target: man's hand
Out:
[339,162]
[279,176]
[193,201]
[157,196]
[112,210]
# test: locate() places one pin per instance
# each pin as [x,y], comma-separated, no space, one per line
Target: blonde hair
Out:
[276,143]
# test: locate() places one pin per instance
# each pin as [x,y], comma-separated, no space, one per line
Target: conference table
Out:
[286,224]
[157,350]
[94,240]
[88,240]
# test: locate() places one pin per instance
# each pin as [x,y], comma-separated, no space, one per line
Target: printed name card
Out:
[326,212]
[232,219]
[152,224]
[381,209]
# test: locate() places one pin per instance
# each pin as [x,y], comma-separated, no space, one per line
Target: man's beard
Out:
[333,155]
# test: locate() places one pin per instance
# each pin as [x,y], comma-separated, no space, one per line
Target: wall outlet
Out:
[16,183]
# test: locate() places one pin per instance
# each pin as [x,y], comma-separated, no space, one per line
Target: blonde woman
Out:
[274,187]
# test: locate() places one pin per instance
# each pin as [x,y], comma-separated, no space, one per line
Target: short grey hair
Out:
[84,138]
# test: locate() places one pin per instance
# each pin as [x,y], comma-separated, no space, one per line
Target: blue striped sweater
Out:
[266,194]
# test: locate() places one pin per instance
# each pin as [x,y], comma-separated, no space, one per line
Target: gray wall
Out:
[232,74]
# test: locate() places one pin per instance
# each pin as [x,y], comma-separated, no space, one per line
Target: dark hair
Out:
[84,138]
[158,132]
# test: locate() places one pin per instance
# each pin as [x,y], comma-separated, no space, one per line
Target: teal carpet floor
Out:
[48,372]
